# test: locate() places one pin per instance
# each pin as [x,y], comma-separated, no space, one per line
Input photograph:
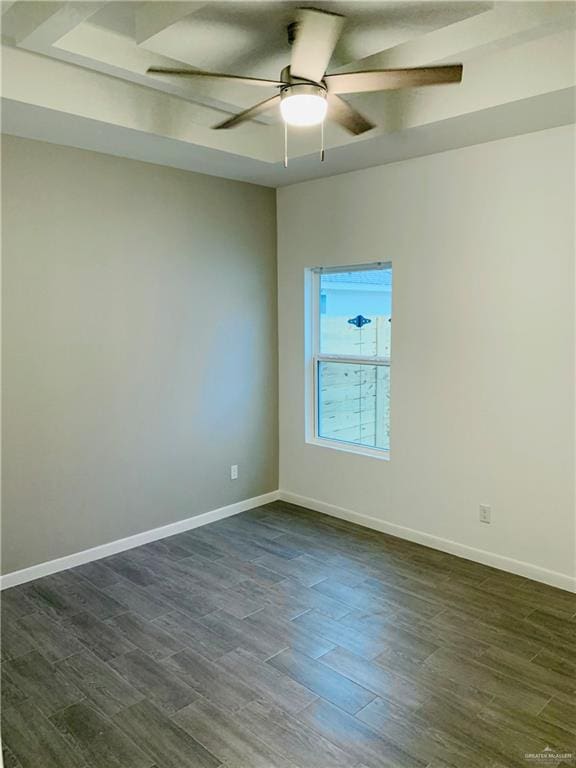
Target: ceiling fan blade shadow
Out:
[192,73]
[349,118]
[249,114]
[391,79]
[317,33]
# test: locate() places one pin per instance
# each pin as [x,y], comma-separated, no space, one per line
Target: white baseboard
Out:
[535,572]
[120,545]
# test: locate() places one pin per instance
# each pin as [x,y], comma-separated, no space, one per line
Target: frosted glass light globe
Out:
[304,108]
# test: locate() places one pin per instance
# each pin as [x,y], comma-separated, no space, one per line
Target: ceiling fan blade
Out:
[390,79]
[317,33]
[342,113]
[215,75]
[248,114]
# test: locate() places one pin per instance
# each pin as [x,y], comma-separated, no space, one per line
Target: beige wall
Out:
[482,400]
[134,295]
[139,347]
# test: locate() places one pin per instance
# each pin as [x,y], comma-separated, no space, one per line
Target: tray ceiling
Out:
[75,73]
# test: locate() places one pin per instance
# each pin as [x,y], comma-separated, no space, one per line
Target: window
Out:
[351,335]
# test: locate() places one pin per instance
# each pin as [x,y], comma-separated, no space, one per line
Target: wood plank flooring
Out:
[281,638]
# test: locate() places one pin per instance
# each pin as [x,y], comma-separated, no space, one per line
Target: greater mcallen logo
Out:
[548,755]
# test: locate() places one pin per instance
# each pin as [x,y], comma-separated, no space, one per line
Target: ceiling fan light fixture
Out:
[303,105]
[306,88]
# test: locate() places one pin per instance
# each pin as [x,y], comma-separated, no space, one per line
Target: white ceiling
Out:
[75,73]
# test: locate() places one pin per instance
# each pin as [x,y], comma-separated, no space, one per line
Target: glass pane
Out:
[354,403]
[356,312]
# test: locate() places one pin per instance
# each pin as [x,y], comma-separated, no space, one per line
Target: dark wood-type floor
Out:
[281,638]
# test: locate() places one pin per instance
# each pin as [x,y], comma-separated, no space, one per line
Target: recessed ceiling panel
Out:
[100,51]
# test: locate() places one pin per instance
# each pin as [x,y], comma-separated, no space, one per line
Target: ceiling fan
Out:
[307,94]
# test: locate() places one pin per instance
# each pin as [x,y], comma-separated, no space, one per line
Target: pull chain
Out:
[322,149]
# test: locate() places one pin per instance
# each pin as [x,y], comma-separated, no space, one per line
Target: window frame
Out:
[315,357]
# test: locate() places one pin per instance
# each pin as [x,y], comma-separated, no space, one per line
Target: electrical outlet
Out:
[485,513]
[234,472]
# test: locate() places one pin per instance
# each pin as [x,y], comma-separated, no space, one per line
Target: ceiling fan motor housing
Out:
[302,89]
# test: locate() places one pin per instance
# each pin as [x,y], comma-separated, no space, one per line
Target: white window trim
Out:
[313,357]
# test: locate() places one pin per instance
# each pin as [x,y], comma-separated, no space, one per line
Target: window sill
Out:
[360,450]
